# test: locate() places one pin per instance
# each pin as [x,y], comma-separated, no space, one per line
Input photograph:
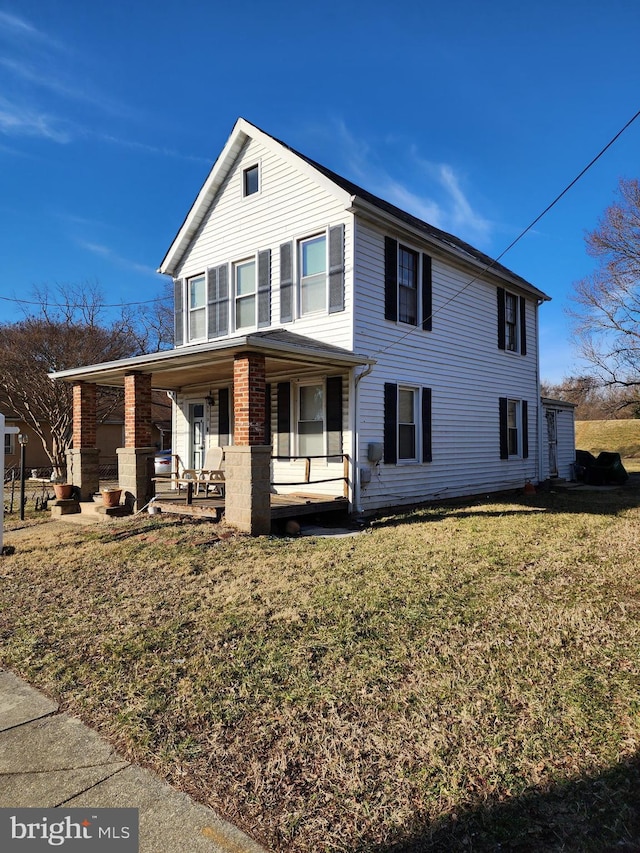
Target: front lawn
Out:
[456,678]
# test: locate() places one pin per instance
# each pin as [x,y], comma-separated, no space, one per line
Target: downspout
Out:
[357,506]
[539,393]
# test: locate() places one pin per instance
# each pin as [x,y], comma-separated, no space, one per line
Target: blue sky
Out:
[472,115]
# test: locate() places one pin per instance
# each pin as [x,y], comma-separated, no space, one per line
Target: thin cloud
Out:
[124,263]
[434,192]
[14,25]
[17,120]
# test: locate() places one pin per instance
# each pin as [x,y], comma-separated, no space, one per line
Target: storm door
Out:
[197,434]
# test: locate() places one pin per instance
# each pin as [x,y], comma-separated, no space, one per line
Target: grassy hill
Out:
[621,437]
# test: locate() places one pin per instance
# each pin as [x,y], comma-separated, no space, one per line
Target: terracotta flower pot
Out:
[111,497]
[63,491]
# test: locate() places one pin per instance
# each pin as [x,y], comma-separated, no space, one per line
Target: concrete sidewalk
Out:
[49,759]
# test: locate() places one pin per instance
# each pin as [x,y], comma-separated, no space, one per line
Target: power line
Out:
[454,296]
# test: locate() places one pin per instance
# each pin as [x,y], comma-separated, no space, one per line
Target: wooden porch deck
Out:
[282,506]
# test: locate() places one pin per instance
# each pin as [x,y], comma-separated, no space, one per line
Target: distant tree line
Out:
[70,326]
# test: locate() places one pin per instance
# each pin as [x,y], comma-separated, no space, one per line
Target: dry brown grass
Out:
[621,437]
[460,677]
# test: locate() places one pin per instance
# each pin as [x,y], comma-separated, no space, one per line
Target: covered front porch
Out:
[270,400]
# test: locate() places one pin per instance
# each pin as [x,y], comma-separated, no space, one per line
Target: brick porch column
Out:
[82,458]
[135,459]
[248,461]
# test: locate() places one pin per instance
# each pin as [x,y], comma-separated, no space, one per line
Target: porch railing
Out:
[307,471]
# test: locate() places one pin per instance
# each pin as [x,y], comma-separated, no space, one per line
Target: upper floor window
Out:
[407,286]
[512,322]
[245,294]
[313,275]
[251,180]
[197,308]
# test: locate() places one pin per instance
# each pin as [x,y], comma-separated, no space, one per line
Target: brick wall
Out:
[137,410]
[249,399]
[84,415]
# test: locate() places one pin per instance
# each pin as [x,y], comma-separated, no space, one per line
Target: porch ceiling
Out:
[212,362]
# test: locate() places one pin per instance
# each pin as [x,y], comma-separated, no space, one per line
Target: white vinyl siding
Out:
[290,206]
[460,362]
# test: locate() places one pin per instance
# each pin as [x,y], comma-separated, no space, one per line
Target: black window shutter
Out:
[286,283]
[523,325]
[283,418]
[334,417]
[264,288]
[504,440]
[525,429]
[336,269]
[502,337]
[427,455]
[390,278]
[224,417]
[178,313]
[390,423]
[427,294]
[267,414]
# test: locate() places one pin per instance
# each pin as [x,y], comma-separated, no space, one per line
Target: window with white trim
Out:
[9,446]
[408,263]
[312,261]
[311,419]
[251,180]
[197,308]
[513,427]
[245,293]
[511,322]
[407,424]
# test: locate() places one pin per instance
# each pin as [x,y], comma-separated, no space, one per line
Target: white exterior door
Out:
[197,432]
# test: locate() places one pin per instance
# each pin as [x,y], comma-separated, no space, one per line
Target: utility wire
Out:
[454,296]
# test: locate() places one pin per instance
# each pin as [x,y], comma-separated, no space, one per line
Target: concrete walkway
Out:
[49,759]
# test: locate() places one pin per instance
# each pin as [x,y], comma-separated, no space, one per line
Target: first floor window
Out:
[407,423]
[245,287]
[311,420]
[197,308]
[513,416]
[8,443]
[313,275]
[514,433]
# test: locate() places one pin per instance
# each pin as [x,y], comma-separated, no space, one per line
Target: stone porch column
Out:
[135,459]
[248,461]
[82,458]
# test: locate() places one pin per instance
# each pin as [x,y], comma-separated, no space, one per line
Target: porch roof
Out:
[212,361]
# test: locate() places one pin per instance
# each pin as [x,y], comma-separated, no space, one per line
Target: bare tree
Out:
[606,309]
[69,329]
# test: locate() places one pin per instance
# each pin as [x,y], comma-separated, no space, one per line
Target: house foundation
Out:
[247,489]
[135,472]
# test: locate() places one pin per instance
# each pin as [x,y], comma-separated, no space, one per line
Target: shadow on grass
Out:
[607,501]
[599,814]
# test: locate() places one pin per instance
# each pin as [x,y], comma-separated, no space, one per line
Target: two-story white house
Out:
[319,321]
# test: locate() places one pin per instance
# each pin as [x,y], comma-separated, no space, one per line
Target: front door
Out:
[552,438]
[197,434]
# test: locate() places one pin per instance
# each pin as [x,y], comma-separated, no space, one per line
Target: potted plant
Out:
[111,497]
[63,491]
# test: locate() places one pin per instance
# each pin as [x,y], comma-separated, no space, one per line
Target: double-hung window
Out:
[511,322]
[245,294]
[313,275]
[408,262]
[514,428]
[8,444]
[197,308]
[311,415]
[407,424]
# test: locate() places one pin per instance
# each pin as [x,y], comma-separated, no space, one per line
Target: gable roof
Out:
[355,198]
